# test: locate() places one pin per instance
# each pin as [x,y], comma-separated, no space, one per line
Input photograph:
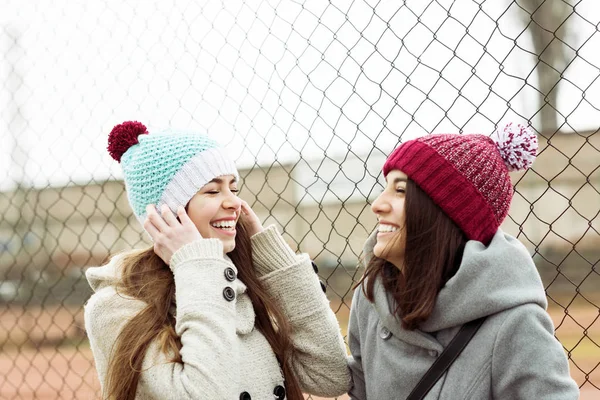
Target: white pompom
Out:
[518,146]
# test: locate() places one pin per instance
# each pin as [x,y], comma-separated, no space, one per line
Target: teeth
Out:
[224,224]
[386,228]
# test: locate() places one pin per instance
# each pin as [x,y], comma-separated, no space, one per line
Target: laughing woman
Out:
[218,308]
[440,262]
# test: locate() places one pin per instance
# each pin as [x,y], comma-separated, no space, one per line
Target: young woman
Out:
[439,260]
[218,308]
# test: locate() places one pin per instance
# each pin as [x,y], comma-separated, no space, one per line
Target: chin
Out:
[377,252]
[228,247]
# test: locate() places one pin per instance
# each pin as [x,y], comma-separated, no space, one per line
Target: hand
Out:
[254,224]
[167,233]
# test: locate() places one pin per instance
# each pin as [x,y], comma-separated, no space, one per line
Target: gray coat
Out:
[514,355]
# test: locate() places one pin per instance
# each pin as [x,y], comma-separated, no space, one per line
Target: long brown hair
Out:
[433,248]
[146,277]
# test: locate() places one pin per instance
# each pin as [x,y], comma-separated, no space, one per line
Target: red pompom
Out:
[123,136]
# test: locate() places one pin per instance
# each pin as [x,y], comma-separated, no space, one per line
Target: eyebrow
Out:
[220,180]
[398,180]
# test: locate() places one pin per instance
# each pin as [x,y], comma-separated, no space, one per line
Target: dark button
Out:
[229,274]
[228,293]
[245,396]
[279,392]
[323,287]
[315,268]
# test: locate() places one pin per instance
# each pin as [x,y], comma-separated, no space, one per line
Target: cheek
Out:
[400,213]
[199,212]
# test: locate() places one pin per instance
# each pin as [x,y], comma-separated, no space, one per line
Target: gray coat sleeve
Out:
[528,361]
[358,390]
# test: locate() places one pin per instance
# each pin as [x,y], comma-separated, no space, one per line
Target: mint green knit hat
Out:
[167,167]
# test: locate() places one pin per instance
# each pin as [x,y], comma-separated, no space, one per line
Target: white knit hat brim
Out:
[193,175]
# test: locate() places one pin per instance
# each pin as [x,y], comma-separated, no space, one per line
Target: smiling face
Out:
[215,210]
[389,208]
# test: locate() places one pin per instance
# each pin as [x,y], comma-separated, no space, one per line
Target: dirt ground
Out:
[37,364]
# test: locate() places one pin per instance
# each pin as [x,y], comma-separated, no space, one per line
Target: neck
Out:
[398,263]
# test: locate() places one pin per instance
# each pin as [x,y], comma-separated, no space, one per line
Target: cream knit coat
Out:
[223,354]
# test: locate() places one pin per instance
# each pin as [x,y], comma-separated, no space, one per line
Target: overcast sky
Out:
[269,79]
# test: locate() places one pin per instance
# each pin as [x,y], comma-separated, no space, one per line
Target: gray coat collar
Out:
[384,308]
[489,280]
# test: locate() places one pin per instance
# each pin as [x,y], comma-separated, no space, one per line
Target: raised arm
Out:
[320,361]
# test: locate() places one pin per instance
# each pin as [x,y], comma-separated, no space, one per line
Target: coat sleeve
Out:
[358,390]
[205,324]
[528,361]
[320,354]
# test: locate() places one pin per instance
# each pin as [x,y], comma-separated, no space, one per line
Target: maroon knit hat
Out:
[467,175]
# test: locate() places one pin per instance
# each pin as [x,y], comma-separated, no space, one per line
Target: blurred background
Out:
[309,97]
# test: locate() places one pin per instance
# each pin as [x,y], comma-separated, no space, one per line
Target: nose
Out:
[232,201]
[380,205]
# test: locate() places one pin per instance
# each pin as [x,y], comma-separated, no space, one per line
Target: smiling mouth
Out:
[227,226]
[385,228]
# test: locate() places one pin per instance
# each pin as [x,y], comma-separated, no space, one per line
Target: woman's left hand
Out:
[254,224]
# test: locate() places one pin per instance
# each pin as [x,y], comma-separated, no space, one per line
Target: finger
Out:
[155,218]
[168,216]
[151,229]
[246,208]
[187,221]
[248,211]
[184,217]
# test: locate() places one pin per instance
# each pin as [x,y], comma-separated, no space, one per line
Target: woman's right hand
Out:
[167,233]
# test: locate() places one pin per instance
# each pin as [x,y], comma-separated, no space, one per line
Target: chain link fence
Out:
[309,97]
